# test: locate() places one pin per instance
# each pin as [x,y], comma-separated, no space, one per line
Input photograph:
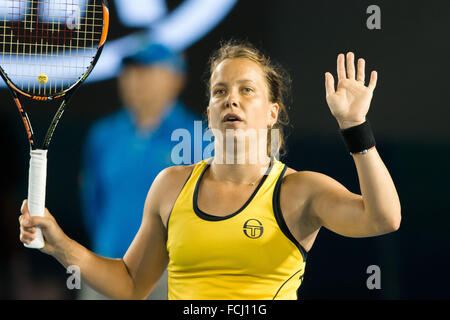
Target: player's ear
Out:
[273,114]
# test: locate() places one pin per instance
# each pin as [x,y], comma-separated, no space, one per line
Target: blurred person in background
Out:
[126,150]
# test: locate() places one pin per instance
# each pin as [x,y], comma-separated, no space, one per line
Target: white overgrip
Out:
[36,191]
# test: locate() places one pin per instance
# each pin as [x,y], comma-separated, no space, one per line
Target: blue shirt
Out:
[120,164]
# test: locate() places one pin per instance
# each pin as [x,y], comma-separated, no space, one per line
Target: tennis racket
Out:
[47,49]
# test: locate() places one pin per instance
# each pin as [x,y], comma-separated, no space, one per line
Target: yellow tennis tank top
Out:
[247,255]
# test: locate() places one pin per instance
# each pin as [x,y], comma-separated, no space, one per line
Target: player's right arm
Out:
[132,277]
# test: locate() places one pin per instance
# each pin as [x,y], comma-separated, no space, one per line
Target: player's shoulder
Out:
[303,181]
[172,179]
[303,175]
[175,173]
[168,184]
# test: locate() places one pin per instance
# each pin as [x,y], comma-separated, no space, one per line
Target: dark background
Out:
[409,114]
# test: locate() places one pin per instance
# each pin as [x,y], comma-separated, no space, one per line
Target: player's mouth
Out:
[231,118]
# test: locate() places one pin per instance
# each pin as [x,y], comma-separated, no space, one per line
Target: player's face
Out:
[238,87]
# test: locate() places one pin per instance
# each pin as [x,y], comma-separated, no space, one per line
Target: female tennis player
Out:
[241,228]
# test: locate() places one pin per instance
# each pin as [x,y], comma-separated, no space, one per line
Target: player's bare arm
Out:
[377,210]
[134,276]
[148,249]
[110,276]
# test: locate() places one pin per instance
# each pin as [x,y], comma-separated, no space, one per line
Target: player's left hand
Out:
[350,102]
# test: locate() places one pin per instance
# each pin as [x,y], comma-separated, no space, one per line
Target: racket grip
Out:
[36,192]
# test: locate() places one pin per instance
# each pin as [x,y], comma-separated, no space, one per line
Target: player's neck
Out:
[233,149]
[244,172]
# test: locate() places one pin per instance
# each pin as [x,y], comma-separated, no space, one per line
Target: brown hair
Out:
[277,79]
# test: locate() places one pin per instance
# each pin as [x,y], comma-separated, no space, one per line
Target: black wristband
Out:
[358,138]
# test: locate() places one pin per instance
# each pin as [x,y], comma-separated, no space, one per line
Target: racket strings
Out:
[48,45]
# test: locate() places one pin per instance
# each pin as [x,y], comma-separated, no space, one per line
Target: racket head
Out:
[47,47]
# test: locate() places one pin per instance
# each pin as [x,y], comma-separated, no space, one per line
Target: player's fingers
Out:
[36,221]
[29,221]
[26,237]
[25,221]
[329,84]
[373,80]
[341,67]
[28,229]
[43,222]
[360,76]
[24,208]
[350,65]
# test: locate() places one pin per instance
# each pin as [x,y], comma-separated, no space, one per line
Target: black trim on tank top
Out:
[210,217]
[278,291]
[279,215]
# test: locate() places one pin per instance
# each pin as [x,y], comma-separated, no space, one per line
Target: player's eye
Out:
[247,90]
[218,91]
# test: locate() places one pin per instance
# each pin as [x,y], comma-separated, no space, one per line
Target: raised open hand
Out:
[350,102]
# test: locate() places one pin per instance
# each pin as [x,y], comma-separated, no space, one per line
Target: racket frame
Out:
[38,156]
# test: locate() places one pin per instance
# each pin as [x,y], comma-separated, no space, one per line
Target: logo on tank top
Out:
[253,228]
